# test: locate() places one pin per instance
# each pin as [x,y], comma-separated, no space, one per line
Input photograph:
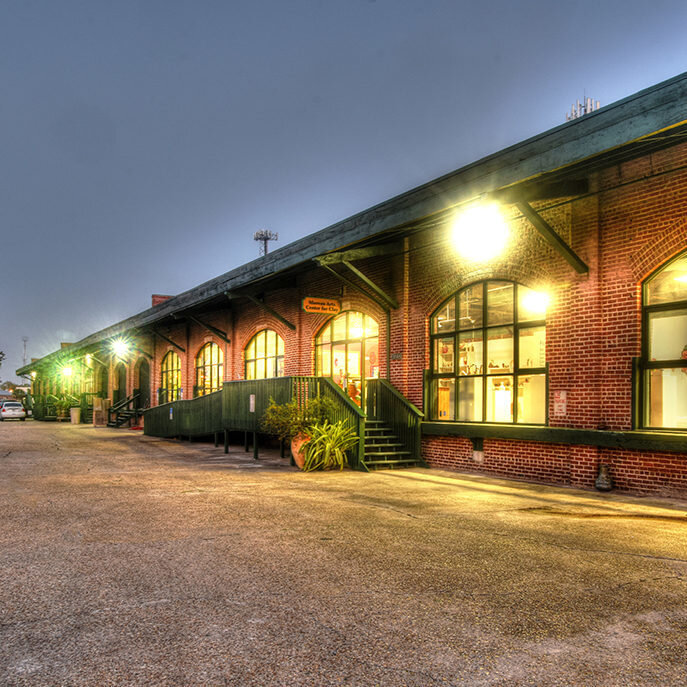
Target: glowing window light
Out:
[681,277]
[480,232]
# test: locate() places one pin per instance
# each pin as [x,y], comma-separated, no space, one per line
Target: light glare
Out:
[536,302]
[480,232]
[120,348]
[67,371]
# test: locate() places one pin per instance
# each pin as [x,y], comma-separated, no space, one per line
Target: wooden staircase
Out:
[384,450]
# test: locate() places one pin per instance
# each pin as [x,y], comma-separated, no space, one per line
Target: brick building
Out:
[537,349]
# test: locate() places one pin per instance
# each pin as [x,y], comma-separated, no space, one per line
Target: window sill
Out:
[635,440]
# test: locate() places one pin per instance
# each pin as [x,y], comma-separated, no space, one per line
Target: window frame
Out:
[277,358]
[642,414]
[208,388]
[165,374]
[515,373]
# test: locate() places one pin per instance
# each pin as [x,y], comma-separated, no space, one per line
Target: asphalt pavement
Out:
[131,560]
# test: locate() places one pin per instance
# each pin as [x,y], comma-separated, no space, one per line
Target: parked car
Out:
[11,410]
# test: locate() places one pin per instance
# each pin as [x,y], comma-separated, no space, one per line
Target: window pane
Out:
[260,368]
[339,364]
[250,350]
[271,347]
[470,302]
[339,328]
[666,398]
[355,325]
[445,319]
[470,351]
[354,359]
[324,360]
[500,350]
[371,327]
[446,399]
[532,399]
[669,285]
[499,302]
[326,334]
[443,354]
[470,399]
[667,335]
[372,358]
[531,304]
[280,366]
[280,345]
[260,345]
[499,399]
[532,347]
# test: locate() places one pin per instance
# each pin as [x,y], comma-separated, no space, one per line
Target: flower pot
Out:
[297,449]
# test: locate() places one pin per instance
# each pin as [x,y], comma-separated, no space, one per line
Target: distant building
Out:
[564,351]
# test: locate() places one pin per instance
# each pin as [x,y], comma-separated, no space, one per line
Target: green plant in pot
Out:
[326,448]
[292,421]
[62,407]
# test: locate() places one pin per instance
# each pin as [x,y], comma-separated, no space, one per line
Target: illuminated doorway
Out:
[347,350]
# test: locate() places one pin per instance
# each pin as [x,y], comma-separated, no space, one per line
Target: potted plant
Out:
[62,407]
[326,447]
[292,421]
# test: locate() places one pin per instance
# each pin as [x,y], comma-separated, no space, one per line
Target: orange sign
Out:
[329,306]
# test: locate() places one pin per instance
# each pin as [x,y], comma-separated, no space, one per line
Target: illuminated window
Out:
[347,350]
[488,355]
[209,366]
[264,355]
[664,349]
[170,378]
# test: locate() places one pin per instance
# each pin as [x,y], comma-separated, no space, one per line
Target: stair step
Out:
[380,437]
[389,446]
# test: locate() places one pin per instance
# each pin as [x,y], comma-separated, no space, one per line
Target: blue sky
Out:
[142,143]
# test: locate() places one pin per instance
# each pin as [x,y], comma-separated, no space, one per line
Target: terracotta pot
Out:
[297,449]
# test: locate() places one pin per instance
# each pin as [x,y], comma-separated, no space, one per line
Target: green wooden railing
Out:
[240,406]
[384,402]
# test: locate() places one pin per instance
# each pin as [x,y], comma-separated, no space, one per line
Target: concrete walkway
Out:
[128,560]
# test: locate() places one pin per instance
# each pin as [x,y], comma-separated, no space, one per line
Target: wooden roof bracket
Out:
[390,300]
[260,302]
[380,302]
[551,236]
[217,332]
[168,340]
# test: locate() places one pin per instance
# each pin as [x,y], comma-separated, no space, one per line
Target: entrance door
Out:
[348,352]
[144,384]
[119,394]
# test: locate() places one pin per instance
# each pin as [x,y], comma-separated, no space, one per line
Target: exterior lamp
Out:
[480,232]
[536,302]
[120,348]
[89,359]
[33,374]
[67,371]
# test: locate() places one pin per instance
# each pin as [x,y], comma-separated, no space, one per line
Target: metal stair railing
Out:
[384,402]
[119,408]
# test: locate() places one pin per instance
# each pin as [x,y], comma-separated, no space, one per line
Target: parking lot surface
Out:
[130,560]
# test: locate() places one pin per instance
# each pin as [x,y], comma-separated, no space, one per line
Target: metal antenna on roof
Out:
[580,109]
[265,236]
[24,339]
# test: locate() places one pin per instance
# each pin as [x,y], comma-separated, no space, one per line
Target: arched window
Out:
[488,355]
[664,346]
[264,355]
[209,366]
[170,378]
[347,350]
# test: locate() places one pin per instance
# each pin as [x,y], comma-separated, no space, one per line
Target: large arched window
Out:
[209,367]
[488,355]
[347,350]
[664,346]
[170,378]
[264,355]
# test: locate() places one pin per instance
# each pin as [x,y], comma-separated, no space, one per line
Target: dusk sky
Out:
[143,143]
